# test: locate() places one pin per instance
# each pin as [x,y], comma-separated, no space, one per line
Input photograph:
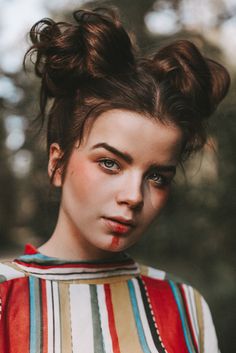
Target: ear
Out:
[55,155]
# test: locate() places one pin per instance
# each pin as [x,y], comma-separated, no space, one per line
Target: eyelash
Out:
[164,181]
[104,160]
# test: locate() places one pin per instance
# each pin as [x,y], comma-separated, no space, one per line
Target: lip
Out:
[122,220]
[117,226]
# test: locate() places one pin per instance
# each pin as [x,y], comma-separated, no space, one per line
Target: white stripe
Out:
[61,274]
[104,319]
[82,277]
[210,339]
[81,319]
[143,317]
[82,270]
[154,273]
[9,272]
[56,309]
[192,310]
[49,316]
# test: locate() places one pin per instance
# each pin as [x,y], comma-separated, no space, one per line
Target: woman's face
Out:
[117,181]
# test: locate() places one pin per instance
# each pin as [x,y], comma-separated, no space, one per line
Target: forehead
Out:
[135,134]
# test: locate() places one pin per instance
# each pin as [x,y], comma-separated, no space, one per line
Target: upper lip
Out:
[126,221]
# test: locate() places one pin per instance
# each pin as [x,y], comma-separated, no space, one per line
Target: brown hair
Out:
[91,66]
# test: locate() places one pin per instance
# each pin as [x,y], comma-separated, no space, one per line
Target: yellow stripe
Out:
[124,319]
[197,298]
[143,270]
[66,344]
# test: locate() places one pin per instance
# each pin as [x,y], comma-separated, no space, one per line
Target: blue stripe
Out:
[32,316]
[182,317]
[137,318]
[35,257]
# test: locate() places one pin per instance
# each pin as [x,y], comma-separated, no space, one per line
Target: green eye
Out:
[157,178]
[160,180]
[109,164]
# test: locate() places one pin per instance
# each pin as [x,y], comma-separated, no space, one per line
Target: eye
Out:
[109,164]
[159,180]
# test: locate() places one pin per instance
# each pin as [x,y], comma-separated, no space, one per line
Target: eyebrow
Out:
[127,158]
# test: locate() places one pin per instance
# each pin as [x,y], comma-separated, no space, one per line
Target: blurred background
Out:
[194,237]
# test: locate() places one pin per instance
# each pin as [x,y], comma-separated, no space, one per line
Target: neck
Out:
[68,244]
[57,247]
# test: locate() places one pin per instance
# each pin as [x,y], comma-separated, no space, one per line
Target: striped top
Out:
[48,305]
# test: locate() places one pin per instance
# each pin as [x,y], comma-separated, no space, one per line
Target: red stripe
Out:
[189,317]
[111,319]
[70,265]
[44,317]
[15,316]
[166,315]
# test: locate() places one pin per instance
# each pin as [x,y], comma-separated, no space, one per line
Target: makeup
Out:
[116,227]
[115,242]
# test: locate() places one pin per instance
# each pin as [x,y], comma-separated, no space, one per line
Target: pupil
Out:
[156,176]
[109,163]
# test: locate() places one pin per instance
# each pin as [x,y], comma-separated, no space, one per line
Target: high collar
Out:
[51,268]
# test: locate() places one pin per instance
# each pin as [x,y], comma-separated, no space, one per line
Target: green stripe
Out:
[97,330]
[35,315]
[2,278]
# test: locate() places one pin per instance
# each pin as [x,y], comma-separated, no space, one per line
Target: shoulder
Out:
[170,289]
[171,297]
[9,271]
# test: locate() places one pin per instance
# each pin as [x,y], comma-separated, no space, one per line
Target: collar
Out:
[51,268]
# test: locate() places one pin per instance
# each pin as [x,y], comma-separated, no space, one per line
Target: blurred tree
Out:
[194,237]
[8,189]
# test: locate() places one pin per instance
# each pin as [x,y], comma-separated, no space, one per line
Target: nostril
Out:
[131,202]
[137,206]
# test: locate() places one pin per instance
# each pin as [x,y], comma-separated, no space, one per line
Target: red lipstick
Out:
[116,226]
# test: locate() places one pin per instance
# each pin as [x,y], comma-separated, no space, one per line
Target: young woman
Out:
[118,125]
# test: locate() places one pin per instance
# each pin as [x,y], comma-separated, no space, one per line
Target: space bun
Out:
[68,54]
[201,81]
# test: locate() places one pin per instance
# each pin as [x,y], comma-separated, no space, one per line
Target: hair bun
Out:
[201,81]
[96,46]
[220,82]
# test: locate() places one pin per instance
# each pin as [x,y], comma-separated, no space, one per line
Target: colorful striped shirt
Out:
[48,305]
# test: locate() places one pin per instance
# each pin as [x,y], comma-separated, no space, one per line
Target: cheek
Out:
[159,199]
[87,182]
[82,180]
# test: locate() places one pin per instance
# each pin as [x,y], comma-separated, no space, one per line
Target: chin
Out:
[118,244]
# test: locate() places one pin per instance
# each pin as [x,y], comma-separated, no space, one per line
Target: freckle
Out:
[115,242]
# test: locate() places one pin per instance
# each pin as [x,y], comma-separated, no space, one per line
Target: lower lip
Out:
[117,227]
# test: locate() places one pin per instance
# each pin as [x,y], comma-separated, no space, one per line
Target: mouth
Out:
[122,220]
[118,225]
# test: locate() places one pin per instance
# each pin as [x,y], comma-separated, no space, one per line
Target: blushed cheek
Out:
[159,201]
[82,178]
[164,197]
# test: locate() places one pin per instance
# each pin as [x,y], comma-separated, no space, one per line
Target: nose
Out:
[131,193]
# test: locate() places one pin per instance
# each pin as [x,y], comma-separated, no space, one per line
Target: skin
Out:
[99,183]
